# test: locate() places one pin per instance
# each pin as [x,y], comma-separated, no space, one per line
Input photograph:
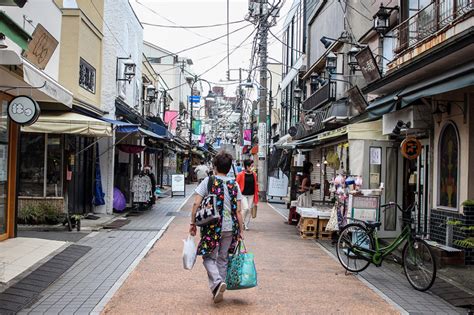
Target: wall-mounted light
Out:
[382,19]
[327,42]
[318,164]
[297,94]
[128,71]
[399,126]
[331,62]
[352,61]
[151,92]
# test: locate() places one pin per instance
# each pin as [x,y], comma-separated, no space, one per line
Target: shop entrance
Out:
[80,187]
[416,188]
[3,171]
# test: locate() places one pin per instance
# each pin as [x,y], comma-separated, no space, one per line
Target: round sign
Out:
[292,131]
[23,110]
[411,148]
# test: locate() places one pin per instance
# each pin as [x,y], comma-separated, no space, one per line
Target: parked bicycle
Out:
[358,246]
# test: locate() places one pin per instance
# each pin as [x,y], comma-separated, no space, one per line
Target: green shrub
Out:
[468,203]
[41,213]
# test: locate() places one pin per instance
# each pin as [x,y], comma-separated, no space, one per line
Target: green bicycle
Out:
[358,246]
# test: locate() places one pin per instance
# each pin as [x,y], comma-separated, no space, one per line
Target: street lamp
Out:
[352,61]
[382,19]
[331,62]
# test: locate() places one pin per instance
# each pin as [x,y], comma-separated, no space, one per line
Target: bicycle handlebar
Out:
[394,204]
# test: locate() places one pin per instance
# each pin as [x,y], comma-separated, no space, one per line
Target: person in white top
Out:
[201,171]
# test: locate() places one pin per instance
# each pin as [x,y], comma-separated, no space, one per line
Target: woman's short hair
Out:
[248,163]
[307,167]
[222,162]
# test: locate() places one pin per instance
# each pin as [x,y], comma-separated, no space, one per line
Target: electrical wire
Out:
[207,42]
[192,26]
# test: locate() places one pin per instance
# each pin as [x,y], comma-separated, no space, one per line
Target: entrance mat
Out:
[28,290]
[92,217]
[117,224]
[452,294]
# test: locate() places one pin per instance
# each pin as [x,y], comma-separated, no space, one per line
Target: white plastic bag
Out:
[189,253]
[333,224]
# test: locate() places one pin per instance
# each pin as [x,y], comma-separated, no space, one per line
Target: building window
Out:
[86,76]
[448,166]
[41,165]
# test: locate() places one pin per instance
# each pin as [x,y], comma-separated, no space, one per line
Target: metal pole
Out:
[241,102]
[262,121]
[191,130]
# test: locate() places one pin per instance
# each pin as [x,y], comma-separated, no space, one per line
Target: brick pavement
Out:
[113,252]
[391,281]
[295,276]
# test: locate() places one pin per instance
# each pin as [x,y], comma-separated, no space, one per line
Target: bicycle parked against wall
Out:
[358,246]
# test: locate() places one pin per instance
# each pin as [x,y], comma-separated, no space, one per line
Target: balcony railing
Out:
[322,96]
[429,21]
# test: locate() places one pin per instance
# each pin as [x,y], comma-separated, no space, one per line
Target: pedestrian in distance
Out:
[239,167]
[247,180]
[304,191]
[201,171]
[220,239]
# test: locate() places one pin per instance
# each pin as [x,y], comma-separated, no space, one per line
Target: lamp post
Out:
[209,96]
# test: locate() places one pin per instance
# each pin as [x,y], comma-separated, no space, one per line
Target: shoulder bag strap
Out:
[210,182]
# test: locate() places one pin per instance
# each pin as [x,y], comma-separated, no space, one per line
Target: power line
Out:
[191,26]
[207,42]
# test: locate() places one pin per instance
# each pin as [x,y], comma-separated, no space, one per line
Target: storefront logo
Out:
[23,110]
[411,148]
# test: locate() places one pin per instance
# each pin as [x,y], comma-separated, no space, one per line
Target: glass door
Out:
[3,170]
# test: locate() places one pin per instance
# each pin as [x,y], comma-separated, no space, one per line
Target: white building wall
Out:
[123,37]
[49,16]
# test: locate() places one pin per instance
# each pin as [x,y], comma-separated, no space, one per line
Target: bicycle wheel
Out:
[419,264]
[353,237]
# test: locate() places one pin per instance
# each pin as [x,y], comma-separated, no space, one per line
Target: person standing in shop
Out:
[247,180]
[304,191]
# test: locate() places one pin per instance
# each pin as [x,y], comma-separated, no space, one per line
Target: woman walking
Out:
[220,239]
[304,199]
[247,180]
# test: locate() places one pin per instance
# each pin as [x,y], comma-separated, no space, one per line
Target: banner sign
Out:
[41,47]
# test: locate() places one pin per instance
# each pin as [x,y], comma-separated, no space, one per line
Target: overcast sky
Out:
[205,12]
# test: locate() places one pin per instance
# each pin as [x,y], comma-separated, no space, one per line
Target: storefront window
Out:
[3,167]
[40,165]
[448,167]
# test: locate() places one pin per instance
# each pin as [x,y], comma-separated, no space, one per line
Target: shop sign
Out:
[23,110]
[411,148]
[364,208]
[178,184]
[41,47]
[368,65]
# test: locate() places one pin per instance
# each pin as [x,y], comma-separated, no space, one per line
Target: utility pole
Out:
[241,121]
[262,112]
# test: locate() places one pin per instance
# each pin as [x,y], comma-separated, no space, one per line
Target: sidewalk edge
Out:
[368,284]
[108,296]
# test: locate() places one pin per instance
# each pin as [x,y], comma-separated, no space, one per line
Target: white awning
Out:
[52,90]
[70,123]
[293,72]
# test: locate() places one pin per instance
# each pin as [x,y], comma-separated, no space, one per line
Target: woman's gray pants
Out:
[216,262]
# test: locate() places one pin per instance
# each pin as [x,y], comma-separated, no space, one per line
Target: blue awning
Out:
[122,126]
[159,130]
[149,133]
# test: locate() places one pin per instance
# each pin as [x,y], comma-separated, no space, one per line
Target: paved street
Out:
[114,253]
[295,276]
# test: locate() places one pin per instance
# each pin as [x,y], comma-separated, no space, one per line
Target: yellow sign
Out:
[411,148]
[41,47]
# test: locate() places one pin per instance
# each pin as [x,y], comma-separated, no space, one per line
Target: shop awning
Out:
[318,138]
[149,133]
[383,105]
[70,123]
[52,90]
[448,82]
[122,126]
[366,131]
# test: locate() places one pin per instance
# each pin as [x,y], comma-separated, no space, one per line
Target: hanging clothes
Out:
[141,188]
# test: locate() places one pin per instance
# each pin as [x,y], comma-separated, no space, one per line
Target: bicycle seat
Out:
[373,224]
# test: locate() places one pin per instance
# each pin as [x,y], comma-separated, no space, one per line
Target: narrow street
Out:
[295,276]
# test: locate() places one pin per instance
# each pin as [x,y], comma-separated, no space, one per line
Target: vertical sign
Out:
[368,65]
[41,47]
[262,139]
